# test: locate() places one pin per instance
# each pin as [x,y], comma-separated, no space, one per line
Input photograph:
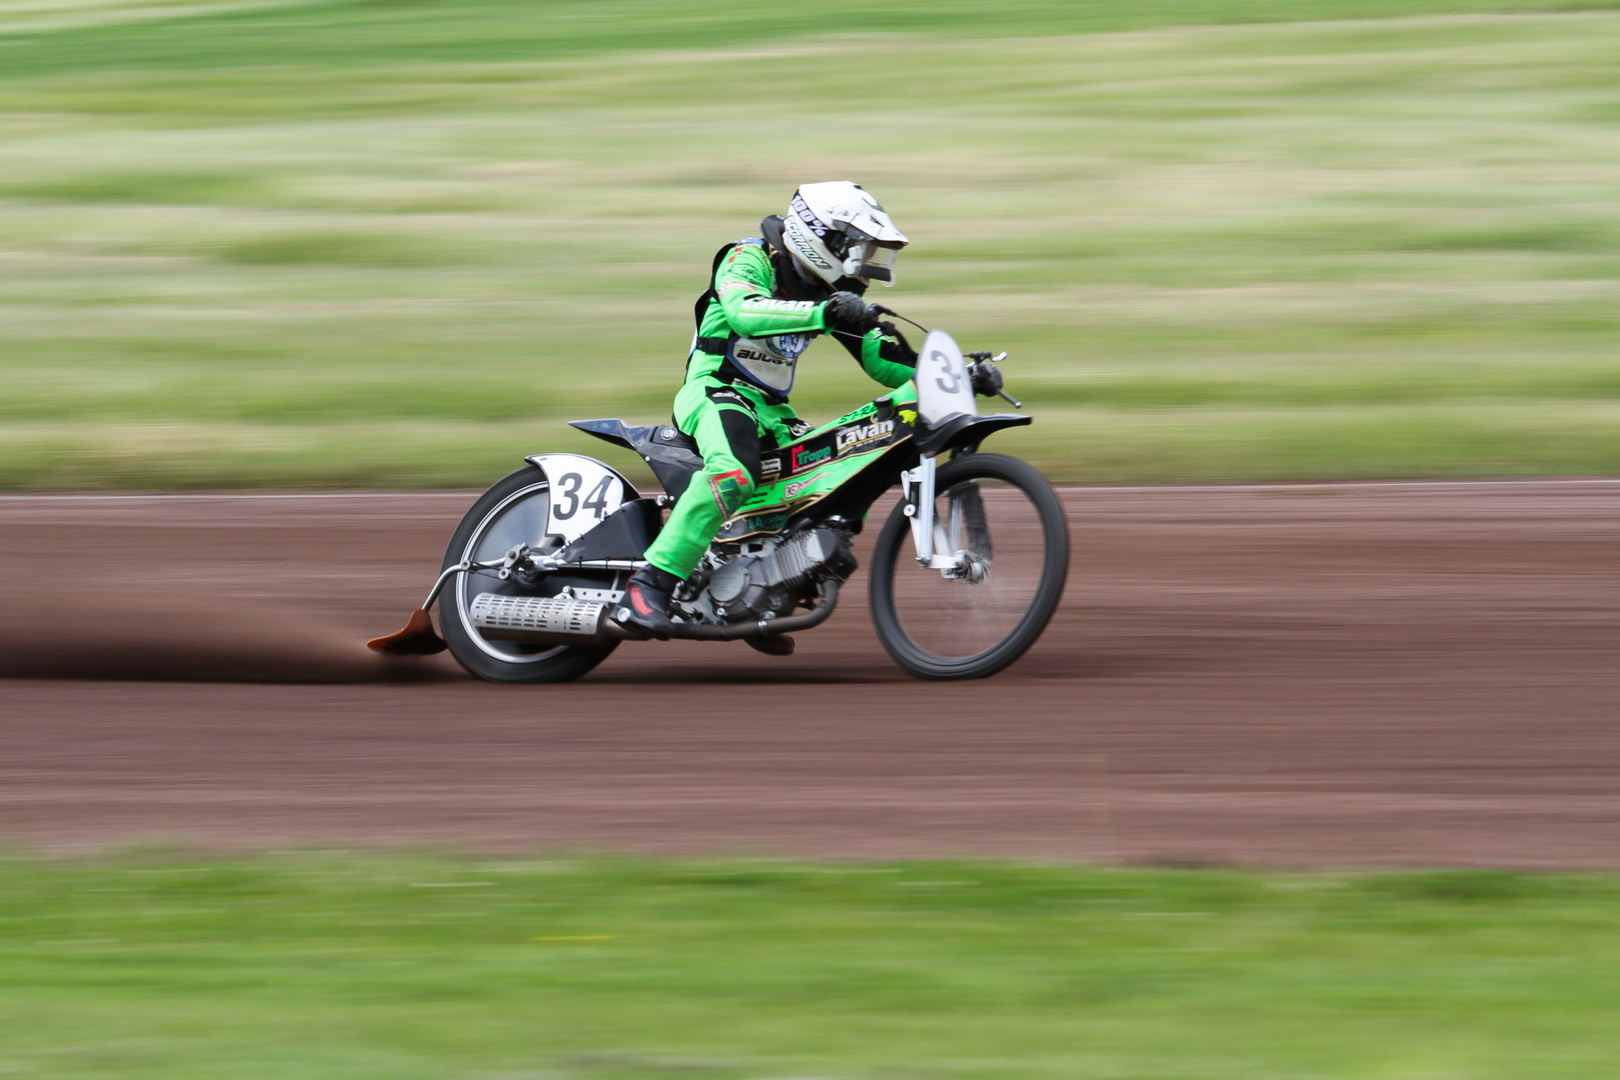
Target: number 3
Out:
[570,490]
[944,363]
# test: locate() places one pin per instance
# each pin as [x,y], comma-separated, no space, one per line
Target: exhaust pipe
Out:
[557,620]
[545,620]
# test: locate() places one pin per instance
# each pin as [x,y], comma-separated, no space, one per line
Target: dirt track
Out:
[1298,675]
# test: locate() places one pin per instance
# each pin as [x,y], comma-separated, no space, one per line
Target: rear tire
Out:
[512,511]
[943,628]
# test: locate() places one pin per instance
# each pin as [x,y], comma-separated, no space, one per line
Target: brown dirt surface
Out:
[1298,675]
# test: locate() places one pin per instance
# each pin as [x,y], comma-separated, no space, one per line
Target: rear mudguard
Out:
[584,492]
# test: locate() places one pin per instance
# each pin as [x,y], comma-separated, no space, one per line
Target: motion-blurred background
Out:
[397,242]
[362,244]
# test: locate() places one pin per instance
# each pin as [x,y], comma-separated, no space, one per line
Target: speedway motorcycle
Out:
[965,574]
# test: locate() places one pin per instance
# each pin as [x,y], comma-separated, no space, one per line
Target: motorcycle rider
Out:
[769,297]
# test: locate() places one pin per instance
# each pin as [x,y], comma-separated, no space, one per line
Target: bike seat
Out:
[673,438]
[673,456]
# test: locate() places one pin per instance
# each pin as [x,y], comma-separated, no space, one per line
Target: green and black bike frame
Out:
[840,469]
[599,525]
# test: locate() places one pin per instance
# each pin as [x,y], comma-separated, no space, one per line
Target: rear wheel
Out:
[967,625]
[512,512]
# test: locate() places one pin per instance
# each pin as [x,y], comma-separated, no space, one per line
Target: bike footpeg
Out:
[624,619]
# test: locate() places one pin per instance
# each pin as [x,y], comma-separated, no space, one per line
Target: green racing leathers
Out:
[760,315]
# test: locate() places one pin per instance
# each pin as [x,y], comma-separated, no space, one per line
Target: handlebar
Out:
[982,357]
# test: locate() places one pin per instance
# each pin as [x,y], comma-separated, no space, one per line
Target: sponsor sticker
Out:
[760,356]
[766,522]
[793,489]
[791,346]
[856,436]
[803,457]
[730,489]
[808,216]
[800,237]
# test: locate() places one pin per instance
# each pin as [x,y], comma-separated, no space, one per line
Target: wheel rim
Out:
[520,518]
[955,618]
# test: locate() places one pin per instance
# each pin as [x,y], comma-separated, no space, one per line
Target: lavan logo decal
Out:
[859,434]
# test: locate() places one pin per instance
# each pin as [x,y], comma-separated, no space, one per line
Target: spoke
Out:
[954,618]
[521,521]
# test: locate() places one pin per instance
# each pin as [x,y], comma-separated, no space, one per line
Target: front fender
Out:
[959,431]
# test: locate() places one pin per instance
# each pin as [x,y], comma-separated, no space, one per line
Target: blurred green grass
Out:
[398,243]
[339,965]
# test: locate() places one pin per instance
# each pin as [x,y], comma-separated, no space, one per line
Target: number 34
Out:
[568,488]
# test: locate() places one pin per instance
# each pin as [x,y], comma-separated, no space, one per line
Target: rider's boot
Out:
[646,602]
[774,645]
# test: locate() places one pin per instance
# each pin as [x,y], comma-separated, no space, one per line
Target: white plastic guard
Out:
[583,492]
[943,387]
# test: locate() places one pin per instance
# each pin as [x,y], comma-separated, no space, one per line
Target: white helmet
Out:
[837,230]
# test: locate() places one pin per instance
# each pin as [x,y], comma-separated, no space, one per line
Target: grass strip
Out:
[345,965]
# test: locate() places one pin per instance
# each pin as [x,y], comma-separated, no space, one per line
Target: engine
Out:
[769,579]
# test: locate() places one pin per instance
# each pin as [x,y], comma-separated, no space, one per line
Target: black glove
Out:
[986,378]
[847,312]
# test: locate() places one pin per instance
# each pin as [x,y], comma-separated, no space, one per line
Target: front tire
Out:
[1007,517]
[514,511]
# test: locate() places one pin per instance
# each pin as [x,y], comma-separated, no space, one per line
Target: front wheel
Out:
[512,512]
[966,625]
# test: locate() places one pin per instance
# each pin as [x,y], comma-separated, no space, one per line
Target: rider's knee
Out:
[730,489]
[742,435]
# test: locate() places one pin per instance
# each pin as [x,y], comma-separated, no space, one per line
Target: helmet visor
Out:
[868,259]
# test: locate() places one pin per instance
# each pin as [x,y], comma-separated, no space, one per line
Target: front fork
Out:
[927,535]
